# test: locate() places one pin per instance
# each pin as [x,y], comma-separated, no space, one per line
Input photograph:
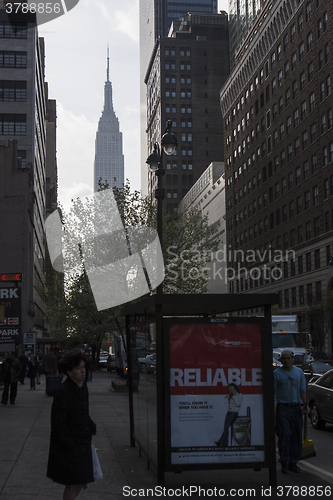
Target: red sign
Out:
[205,358]
[11,277]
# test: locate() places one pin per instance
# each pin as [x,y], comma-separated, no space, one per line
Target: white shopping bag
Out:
[98,474]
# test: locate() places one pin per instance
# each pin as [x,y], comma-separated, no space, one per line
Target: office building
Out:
[155,17]
[184,77]
[109,158]
[23,108]
[208,196]
[241,15]
[277,109]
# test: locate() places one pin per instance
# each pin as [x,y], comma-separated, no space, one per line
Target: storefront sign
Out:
[10,315]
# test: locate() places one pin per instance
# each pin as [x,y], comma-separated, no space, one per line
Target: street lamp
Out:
[154,160]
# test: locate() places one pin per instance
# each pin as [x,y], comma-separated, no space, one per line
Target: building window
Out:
[306,170]
[303,110]
[309,41]
[301,52]
[318,291]
[307,200]
[316,227]
[308,231]
[12,59]
[13,124]
[300,264]
[13,91]
[315,191]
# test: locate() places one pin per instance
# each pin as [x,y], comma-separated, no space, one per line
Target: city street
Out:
[24,441]
[322,464]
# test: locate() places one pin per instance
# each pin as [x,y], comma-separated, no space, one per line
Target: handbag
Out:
[98,474]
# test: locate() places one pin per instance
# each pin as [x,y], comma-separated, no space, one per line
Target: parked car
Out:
[320,400]
[148,363]
[111,363]
[317,367]
[103,359]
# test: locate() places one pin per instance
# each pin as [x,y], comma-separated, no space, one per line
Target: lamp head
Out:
[154,159]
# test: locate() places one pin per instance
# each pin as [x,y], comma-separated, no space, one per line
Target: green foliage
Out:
[188,245]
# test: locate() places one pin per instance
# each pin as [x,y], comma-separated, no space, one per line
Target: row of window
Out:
[13,90]
[278,107]
[183,79]
[171,51]
[13,59]
[13,30]
[13,124]
[297,236]
[184,93]
[174,166]
[183,66]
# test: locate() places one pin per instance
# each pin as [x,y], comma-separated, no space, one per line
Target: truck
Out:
[286,335]
[120,355]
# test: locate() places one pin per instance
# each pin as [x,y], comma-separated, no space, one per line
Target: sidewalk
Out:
[24,441]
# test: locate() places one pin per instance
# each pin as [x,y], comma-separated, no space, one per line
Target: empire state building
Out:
[109,158]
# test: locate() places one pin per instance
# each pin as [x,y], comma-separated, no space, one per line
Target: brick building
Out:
[277,110]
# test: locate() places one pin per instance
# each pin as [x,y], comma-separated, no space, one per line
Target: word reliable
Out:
[191,377]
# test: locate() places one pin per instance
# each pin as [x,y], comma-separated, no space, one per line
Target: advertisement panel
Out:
[10,315]
[216,395]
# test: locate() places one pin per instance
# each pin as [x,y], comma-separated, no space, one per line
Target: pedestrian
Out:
[290,397]
[233,402]
[49,366]
[70,455]
[24,361]
[32,371]
[12,370]
[89,363]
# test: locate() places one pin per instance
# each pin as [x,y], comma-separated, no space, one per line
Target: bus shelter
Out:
[186,355]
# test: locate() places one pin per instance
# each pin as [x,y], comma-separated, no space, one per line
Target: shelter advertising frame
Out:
[204,357]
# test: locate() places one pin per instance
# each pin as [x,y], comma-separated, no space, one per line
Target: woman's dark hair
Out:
[234,386]
[71,360]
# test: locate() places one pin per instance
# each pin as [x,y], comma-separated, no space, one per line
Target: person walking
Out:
[12,370]
[290,397]
[23,359]
[70,455]
[49,367]
[233,402]
[32,371]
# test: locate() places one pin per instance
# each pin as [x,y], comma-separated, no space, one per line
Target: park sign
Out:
[10,315]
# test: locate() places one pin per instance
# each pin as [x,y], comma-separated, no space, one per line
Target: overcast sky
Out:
[75,67]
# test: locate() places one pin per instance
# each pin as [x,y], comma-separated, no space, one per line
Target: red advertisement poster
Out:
[216,398]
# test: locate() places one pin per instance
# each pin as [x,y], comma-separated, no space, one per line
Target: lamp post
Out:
[154,160]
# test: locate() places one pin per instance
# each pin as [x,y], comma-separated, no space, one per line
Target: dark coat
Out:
[70,459]
[32,368]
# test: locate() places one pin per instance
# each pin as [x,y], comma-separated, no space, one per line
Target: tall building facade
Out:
[109,158]
[277,109]
[241,15]
[155,18]
[184,77]
[23,186]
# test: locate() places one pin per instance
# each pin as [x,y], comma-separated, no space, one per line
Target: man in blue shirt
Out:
[289,390]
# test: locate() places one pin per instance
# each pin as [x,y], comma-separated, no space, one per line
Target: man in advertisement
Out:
[289,390]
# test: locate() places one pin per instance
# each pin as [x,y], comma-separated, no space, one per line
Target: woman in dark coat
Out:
[70,458]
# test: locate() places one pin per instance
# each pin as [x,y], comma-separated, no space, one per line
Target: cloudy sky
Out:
[75,67]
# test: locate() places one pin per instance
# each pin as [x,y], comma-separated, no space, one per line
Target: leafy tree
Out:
[319,318]
[188,245]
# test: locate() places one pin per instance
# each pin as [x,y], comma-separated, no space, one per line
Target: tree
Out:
[319,318]
[189,243]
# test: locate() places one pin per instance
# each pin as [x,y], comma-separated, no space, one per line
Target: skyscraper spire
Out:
[108,105]
[108,67]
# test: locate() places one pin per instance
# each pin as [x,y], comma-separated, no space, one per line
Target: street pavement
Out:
[24,441]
